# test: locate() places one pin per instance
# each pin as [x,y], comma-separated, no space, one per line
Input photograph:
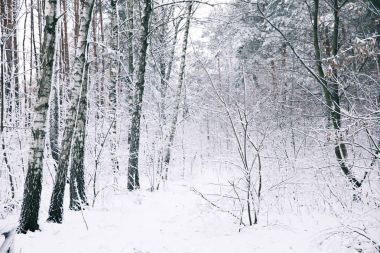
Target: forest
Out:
[194,126]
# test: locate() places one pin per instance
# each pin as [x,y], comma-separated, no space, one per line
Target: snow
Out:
[174,220]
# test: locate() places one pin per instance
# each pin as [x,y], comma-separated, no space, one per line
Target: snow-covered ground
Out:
[176,220]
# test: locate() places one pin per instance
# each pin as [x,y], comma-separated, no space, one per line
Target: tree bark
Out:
[65,40]
[78,197]
[54,125]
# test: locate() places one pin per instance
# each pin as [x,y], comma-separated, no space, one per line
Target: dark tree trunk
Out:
[54,125]
[330,88]
[133,173]
[5,157]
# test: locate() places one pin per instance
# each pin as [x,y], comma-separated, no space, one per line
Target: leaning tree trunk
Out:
[78,197]
[33,183]
[56,204]
[173,125]
[133,174]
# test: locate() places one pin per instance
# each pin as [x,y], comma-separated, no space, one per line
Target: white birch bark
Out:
[33,183]
[114,76]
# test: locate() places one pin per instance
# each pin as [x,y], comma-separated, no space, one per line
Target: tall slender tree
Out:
[133,173]
[130,53]
[56,204]
[114,81]
[330,87]
[173,125]
[78,197]
[4,36]
[33,182]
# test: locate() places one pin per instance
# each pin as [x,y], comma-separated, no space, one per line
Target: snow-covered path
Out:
[169,221]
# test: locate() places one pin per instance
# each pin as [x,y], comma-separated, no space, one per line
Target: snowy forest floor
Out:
[176,220]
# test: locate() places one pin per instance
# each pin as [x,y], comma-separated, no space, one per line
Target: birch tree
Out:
[78,197]
[33,182]
[56,204]
[173,125]
[114,77]
[133,173]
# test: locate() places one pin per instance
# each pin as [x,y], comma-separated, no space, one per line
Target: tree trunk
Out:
[8,25]
[130,52]
[56,204]
[133,174]
[33,183]
[78,197]
[330,89]
[65,38]
[101,98]
[24,60]
[5,157]
[76,22]
[173,125]
[165,68]
[114,76]
[15,64]
[54,125]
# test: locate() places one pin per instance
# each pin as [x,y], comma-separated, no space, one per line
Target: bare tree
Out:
[173,124]
[114,79]
[133,173]
[56,204]
[33,182]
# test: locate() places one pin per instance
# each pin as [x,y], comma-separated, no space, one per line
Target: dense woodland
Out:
[277,102]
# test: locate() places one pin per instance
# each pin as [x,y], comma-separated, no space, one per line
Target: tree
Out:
[56,203]
[133,173]
[6,36]
[114,79]
[78,197]
[330,88]
[173,125]
[331,82]
[33,182]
